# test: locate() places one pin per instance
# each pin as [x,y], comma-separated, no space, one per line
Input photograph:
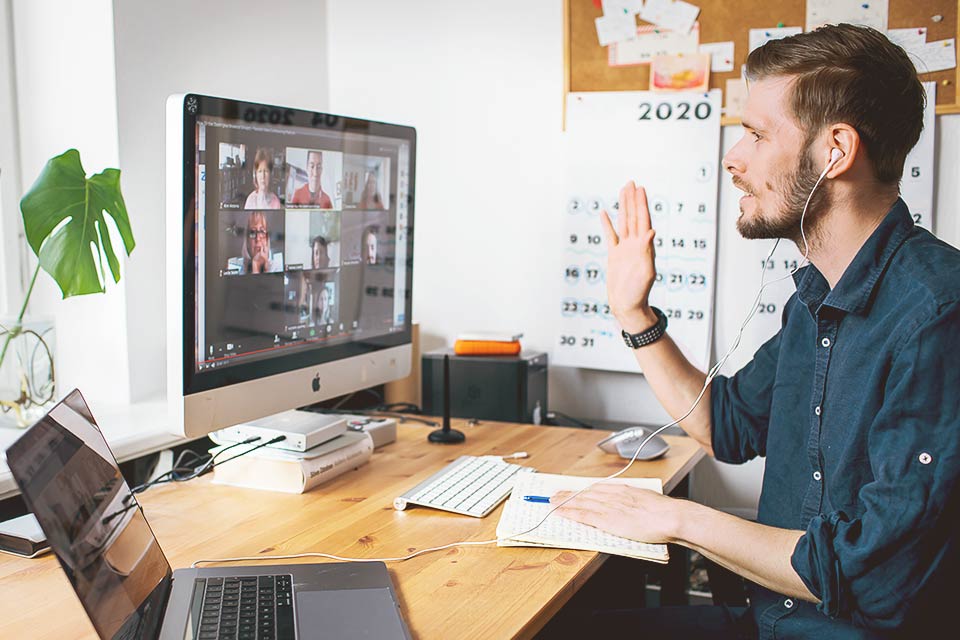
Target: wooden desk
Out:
[463,592]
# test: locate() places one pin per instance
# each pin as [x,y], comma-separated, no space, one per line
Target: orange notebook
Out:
[486,348]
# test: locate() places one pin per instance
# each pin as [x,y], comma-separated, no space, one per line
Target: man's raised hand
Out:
[630,260]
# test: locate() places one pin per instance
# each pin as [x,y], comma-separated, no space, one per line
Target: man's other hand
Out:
[625,511]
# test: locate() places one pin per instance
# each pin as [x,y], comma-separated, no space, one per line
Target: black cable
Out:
[165,476]
[401,417]
[172,474]
[402,407]
[242,453]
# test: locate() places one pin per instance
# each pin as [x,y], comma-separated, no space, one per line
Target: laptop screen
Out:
[71,482]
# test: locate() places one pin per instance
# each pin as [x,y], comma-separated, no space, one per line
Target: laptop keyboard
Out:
[245,608]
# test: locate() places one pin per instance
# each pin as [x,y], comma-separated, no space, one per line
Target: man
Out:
[312,193]
[854,402]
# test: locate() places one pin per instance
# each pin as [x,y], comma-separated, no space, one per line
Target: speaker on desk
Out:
[506,388]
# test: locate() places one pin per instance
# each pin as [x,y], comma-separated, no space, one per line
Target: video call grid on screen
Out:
[297,239]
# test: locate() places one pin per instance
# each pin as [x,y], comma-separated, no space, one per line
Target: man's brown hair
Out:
[855,75]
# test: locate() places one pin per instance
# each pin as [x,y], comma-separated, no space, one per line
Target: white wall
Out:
[9,168]
[273,53]
[484,89]
[482,86]
[66,97]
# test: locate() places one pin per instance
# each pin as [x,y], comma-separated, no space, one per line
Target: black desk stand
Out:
[446,435]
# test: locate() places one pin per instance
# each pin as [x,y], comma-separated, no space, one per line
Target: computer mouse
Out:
[625,444]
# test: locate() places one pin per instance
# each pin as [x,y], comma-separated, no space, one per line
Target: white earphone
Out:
[835,154]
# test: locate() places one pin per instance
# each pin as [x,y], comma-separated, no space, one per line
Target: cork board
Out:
[586,67]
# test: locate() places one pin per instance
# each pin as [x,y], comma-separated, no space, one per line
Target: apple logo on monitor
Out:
[316,382]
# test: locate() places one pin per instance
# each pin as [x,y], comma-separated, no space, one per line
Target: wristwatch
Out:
[651,335]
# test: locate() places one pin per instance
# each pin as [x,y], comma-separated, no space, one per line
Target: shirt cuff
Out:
[815,561]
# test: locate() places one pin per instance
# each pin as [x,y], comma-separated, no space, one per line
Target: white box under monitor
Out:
[260,322]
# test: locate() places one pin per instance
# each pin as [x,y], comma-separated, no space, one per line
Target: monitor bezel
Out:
[195,106]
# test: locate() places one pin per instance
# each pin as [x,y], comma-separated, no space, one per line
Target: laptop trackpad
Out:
[348,613]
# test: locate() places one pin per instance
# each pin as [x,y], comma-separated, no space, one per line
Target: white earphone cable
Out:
[711,374]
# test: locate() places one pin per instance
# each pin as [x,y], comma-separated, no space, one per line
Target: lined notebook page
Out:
[560,532]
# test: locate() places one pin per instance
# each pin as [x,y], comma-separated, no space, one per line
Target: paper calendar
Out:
[669,143]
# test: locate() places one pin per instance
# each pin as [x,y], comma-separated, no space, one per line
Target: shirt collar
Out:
[855,288]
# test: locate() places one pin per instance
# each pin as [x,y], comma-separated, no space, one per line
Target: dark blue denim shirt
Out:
[855,404]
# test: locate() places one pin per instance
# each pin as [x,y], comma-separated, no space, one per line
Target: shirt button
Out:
[925,458]
[817,475]
[825,342]
[788,603]
[817,410]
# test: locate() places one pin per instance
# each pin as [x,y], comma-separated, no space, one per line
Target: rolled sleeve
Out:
[740,407]
[883,567]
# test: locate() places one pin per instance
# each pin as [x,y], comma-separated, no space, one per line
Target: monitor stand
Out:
[302,430]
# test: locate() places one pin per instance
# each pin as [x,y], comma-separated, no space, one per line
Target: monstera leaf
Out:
[65,226]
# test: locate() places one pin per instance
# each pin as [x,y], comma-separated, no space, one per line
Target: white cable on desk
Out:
[711,374]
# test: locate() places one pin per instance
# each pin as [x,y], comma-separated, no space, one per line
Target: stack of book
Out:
[292,471]
[487,344]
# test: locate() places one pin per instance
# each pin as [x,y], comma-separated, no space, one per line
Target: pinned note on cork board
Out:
[933,44]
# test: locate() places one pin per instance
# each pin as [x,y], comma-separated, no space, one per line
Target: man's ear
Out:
[845,139]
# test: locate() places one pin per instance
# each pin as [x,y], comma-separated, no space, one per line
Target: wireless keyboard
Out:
[470,486]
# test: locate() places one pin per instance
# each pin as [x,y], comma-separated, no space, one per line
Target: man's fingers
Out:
[608,231]
[582,514]
[643,215]
[622,213]
[609,487]
[628,208]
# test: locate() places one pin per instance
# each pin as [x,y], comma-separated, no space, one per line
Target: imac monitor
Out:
[290,253]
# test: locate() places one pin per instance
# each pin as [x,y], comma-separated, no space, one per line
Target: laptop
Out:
[70,480]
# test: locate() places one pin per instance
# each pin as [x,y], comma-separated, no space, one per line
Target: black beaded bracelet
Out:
[649,336]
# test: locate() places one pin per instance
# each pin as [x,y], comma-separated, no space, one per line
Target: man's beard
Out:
[794,188]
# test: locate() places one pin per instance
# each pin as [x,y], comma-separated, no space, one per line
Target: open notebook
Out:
[559,532]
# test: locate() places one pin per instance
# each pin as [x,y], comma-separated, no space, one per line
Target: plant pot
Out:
[27,372]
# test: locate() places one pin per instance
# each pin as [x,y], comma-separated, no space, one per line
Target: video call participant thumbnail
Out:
[324,300]
[311,239]
[257,249]
[253,311]
[364,237]
[235,180]
[263,196]
[312,193]
[366,181]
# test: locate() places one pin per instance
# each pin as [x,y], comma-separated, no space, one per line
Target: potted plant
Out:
[63,217]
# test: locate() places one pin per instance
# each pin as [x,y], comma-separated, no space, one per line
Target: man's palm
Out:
[630,256]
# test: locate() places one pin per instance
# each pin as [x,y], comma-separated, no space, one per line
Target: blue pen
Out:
[540,499]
